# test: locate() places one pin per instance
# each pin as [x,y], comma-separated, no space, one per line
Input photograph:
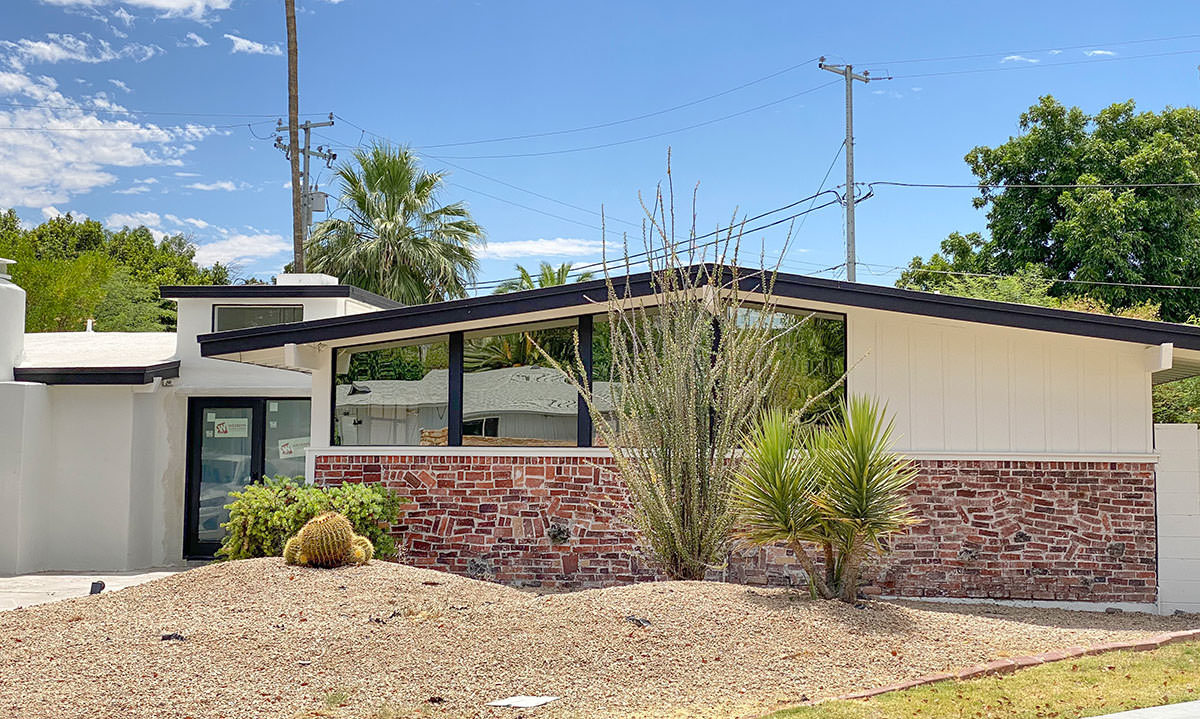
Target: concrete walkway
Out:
[28,589]
[1186,710]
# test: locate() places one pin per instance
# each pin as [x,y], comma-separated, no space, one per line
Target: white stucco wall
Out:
[961,387]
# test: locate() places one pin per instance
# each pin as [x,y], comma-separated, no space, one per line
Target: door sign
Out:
[231,427]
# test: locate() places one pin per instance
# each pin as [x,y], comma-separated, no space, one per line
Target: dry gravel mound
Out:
[261,639]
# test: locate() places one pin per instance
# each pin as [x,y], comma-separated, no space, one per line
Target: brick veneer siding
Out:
[1066,531]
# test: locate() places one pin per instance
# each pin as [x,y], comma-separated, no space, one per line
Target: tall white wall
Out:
[1177,481]
[960,387]
[12,324]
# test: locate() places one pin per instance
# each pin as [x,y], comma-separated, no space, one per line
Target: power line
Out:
[139,128]
[524,207]
[974,56]
[896,268]
[1028,65]
[126,111]
[1034,186]
[644,137]
[627,120]
[690,243]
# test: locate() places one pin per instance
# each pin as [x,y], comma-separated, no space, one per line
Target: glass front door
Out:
[232,442]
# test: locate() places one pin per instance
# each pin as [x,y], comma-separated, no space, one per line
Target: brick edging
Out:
[1010,665]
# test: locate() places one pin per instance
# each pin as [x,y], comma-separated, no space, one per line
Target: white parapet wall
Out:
[1177,481]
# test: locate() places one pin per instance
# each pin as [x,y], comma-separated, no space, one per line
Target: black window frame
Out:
[241,305]
[585,325]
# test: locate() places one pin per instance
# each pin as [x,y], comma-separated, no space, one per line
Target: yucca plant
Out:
[838,486]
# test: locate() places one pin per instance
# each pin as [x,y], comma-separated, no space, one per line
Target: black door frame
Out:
[192,547]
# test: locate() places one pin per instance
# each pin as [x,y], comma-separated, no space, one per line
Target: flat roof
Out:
[517,307]
[97,357]
[278,292]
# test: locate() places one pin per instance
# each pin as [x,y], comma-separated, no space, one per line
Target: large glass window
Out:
[812,355]
[236,317]
[392,396]
[512,396]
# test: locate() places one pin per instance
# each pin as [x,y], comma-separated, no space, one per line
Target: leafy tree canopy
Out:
[1138,235]
[75,270]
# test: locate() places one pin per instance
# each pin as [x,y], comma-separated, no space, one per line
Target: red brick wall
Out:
[1078,531]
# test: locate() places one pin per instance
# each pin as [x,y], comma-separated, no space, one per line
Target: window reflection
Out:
[392,396]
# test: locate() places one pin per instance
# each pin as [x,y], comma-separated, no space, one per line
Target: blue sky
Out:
[168,88]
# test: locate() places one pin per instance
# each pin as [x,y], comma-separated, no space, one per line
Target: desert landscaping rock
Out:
[713,649]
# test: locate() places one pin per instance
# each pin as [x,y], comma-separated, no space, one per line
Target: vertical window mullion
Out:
[454,409]
[584,416]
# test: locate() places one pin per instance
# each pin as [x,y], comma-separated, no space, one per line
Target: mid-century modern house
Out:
[1042,476]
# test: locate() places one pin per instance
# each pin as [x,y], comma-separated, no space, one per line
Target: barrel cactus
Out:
[328,540]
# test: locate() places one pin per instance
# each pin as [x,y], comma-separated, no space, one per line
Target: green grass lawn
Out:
[1083,687]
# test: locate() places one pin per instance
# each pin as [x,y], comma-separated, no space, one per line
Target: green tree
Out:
[1132,235]
[548,276]
[398,240]
[75,270]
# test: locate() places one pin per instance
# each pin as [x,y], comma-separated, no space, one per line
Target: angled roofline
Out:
[813,289]
[97,375]
[277,292]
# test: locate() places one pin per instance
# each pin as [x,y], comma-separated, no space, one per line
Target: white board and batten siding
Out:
[958,388]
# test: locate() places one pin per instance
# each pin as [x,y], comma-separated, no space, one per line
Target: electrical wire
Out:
[627,120]
[651,136]
[896,268]
[1028,65]
[139,128]
[126,111]
[1034,186]
[975,56]
[640,258]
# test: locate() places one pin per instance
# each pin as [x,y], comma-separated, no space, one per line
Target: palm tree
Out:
[548,276]
[398,241]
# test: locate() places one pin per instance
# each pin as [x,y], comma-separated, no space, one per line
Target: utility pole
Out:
[298,226]
[301,186]
[847,71]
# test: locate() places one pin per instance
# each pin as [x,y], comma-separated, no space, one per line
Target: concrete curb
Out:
[1011,664]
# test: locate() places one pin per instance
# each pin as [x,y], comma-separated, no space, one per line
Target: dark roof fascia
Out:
[97,375]
[1004,314]
[578,294]
[277,292]
[799,287]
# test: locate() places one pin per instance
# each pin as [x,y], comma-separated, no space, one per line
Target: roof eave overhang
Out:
[142,375]
[589,298]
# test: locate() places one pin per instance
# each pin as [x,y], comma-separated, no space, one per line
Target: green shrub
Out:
[265,514]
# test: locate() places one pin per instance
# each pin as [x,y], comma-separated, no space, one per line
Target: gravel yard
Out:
[266,640]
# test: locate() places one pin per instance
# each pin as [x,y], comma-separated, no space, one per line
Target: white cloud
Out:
[1094,53]
[78,150]
[135,190]
[150,220]
[239,248]
[147,181]
[120,85]
[514,249]
[223,185]
[1056,52]
[123,16]
[51,212]
[181,221]
[250,47]
[187,174]
[193,40]
[64,47]
[1019,58]
[193,9]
